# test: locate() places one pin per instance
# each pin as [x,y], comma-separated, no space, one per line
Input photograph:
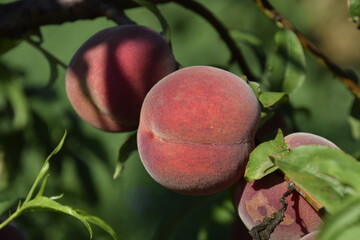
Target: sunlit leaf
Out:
[261,160]
[126,149]
[270,99]
[255,87]
[328,174]
[344,223]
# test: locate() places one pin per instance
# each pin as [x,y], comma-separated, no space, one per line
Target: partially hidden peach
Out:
[197,128]
[110,74]
[260,199]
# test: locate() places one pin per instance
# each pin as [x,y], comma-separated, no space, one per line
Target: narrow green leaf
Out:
[45,203]
[126,149]
[261,160]
[153,8]
[270,99]
[100,223]
[328,174]
[43,185]
[58,147]
[286,69]
[343,223]
[45,168]
[354,10]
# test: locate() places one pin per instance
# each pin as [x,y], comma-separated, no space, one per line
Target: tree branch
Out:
[17,18]
[223,32]
[342,75]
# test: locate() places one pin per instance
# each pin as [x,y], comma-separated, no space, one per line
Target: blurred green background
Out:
[134,205]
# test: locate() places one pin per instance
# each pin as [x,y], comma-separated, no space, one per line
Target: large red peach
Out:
[197,128]
[260,199]
[110,74]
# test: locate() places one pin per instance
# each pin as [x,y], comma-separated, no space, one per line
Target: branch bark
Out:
[17,18]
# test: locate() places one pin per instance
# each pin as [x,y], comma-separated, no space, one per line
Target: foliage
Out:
[101,172]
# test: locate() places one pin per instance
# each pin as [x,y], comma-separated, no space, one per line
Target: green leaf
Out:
[328,174]
[354,10]
[261,160]
[344,223]
[255,87]
[286,68]
[126,149]
[44,169]
[45,203]
[270,99]
[153,8]
[100,223]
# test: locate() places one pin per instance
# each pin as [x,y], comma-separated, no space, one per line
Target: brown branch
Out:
[343,76]
[17,18]
[223,32]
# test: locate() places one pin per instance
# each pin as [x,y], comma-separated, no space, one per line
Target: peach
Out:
[302,138]
[260,199]
[110,74]
[197,128]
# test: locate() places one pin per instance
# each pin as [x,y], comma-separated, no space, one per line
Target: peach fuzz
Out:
[197,128]
[260,199]
[110,74]
[302,138]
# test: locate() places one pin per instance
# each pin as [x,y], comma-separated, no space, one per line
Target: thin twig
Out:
[263,230]
[223,32]
[46,53]
[343,76]
[115,14]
